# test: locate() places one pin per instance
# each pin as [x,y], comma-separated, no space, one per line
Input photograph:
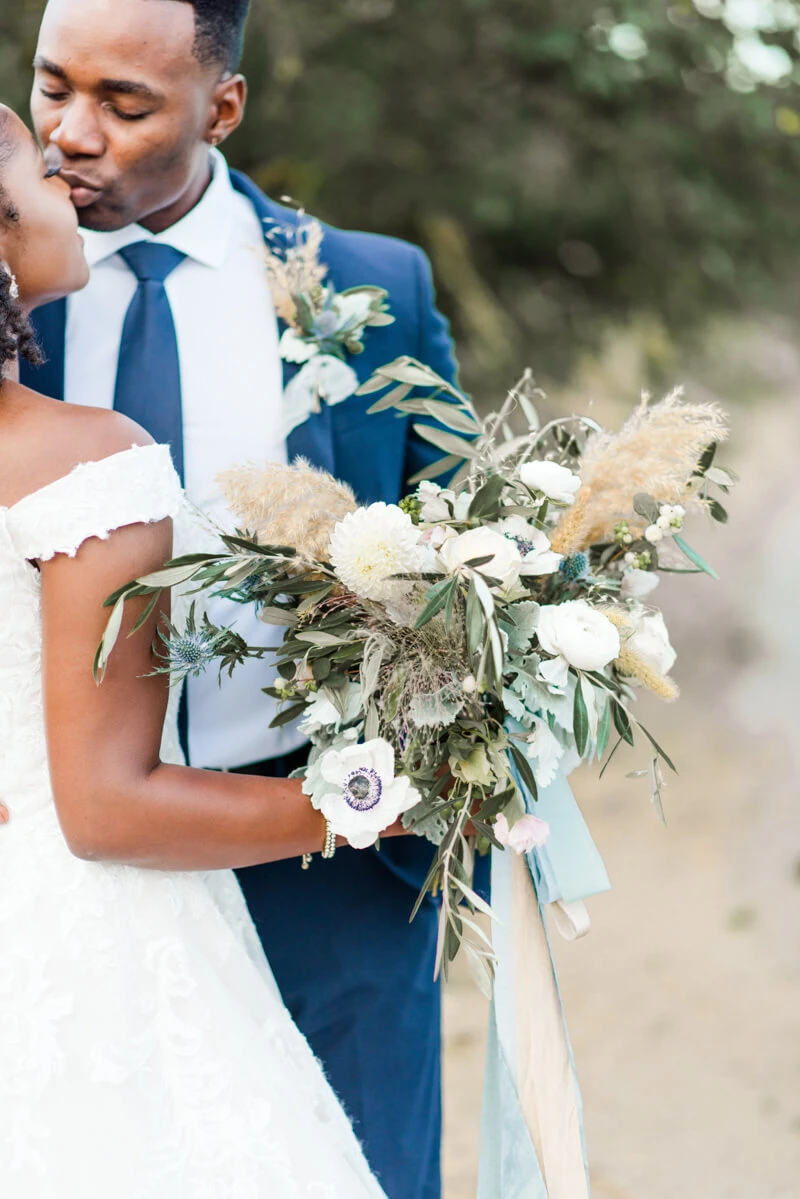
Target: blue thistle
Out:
[575,567]
[190,652]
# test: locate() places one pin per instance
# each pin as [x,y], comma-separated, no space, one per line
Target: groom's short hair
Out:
[219,26]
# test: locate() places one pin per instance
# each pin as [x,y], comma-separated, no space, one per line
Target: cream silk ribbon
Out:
[532,1143]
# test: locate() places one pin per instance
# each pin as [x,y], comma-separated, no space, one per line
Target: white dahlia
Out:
[371,545]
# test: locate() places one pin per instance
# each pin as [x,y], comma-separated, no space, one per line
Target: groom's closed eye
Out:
[126,99]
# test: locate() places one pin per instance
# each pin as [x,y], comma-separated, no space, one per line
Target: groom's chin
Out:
[100,218]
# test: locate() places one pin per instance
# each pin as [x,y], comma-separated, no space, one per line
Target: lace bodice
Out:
[145,1052]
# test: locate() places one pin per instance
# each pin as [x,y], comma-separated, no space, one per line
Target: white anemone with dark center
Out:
[356,789]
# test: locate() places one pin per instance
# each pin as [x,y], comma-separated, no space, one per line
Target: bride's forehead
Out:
[92,36]
[14,133]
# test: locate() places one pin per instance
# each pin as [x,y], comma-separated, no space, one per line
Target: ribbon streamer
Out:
[532,1141]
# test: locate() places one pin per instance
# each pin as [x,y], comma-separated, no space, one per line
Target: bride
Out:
[145,1052]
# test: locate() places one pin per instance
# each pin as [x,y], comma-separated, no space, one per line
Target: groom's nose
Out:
[78,133]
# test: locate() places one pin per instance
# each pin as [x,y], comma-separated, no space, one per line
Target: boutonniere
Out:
[324,326]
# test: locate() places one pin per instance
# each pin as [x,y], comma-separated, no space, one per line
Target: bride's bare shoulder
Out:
[42,439]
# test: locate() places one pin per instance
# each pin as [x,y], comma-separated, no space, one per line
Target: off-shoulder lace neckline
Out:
[133,449]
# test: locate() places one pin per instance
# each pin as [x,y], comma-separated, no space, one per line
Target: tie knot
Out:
[151,261]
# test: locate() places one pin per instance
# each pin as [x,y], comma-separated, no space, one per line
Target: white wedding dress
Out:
[145,1052]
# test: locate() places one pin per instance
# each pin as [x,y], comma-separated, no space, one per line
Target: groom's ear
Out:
[228,104]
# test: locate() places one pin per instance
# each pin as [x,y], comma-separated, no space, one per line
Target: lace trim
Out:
[135,486]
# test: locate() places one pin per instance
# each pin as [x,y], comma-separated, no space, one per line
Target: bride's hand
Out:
[4,814]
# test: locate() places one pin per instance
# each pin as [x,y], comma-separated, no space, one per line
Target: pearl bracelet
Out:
[328,847]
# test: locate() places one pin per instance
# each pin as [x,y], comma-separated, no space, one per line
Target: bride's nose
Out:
[78,133]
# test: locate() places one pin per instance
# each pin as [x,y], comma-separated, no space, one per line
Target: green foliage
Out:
[566,163]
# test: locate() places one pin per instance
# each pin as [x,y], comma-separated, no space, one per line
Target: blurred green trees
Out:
[566,163]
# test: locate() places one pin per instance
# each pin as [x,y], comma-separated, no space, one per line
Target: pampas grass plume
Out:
[655,451]
[283,504]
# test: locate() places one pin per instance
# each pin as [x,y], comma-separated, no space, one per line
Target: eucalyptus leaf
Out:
[449,442]
[169,576]
[654,779]
[320,638]
[409,370]
[661,753]
[437,598]
[604,729]
[622,721]
[440,467]
[146,613]
[580,720]
[294,712]
[486,501]
[451,415]
[644,505]
[391,398]
[693,556]
[524,769]
[109,639]
[376,382]
[723,478]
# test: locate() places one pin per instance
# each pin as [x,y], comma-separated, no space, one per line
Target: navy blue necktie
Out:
[148,387]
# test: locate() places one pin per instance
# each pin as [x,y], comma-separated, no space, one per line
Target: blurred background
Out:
[608,193]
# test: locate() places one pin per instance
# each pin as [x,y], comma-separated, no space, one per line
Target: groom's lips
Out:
[81,190]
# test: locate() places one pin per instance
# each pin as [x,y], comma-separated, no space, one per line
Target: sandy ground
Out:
[684,999]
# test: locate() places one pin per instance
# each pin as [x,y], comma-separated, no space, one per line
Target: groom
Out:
[177,328]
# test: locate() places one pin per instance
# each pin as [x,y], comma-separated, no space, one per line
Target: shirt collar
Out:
[203,234]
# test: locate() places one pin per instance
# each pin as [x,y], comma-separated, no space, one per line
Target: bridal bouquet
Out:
[447,655]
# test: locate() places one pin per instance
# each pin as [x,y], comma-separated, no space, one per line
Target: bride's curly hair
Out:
[16,333]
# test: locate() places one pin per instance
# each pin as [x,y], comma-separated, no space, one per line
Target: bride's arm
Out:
[115,800]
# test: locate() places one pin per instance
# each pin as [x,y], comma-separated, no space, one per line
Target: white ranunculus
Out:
[504,557]
[650,641]
[439,503]
[556,482]
[636,584]
[533,545]
[357,791]
[576,631]
[371,545]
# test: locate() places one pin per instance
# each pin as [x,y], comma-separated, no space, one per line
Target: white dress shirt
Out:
[231,385]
